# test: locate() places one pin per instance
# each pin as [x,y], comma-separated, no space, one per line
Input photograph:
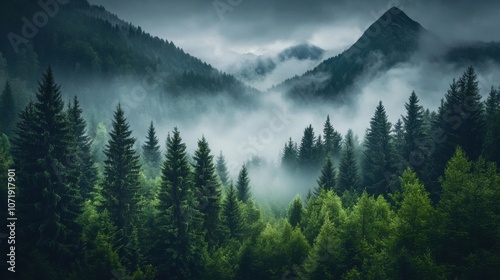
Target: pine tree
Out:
[491,147]
[290,156]
[319,153]
[243,186]
[459,122]
[472,129]
[208,191]
[378,161]
[414,135]
[82,144]
[178,252]
[231,213]
[414,226]
[50,206]
[307,160]
[295,211]
[221,169]
[8,111]
[327,179]
[151,153]
[332,140]
[398,143]
[121,185]
[348,168]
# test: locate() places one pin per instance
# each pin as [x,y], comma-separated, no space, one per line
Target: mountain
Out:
[254,69]
[88,47]
[394,38]
[301,52]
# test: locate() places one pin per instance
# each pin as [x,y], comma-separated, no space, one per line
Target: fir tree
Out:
[121,185]
[491,147]
[328,177]
[290,156]
[295,211]
[208,191]
[221,169]
[348,168]
[414,135]
[231,213]
[50,205]
[307,159]
[398,136]
[332,140]
[8,111]
[378,161]
[151,153]
[243,185]
[82,144]
[179,250]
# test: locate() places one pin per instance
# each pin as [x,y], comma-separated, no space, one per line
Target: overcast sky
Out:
[259,26]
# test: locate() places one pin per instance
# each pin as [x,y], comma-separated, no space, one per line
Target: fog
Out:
[262,128]
[261,124]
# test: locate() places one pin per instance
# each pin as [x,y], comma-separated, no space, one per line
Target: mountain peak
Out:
[393,32]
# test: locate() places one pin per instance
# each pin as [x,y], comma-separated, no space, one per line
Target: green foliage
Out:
[231,214]
[414,134]
[49,203]
[470,221]
[82,146]
[243,185]
[295,211]
[179,251]
[327,179]
[8,111]
[332,140]
[208,191]
[277,252]
[151,153]
[221,169]
[413,232]
[121,185]
[348,179]
[327,203]
[289,157]
[378,163]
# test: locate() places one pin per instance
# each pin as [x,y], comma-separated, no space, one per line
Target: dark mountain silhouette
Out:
[86,42]
[392,39]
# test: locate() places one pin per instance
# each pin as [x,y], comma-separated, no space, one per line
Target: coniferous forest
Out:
[122,156]
[417,199]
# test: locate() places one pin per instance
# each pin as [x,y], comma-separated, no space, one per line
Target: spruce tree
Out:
[208,191]
[378,161]
[48,204]
[398,143]
[491,147]
[221,169]
[307,159]
[332,140]
[348,168]
[82,144]
[319,153]
[459,122]
[414,135]
[327,179]
[295,211]
[8,111]
[289,157]
[121,186]
[472,129]
[179,249]
[231,213]
[243,185]
[151,153]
